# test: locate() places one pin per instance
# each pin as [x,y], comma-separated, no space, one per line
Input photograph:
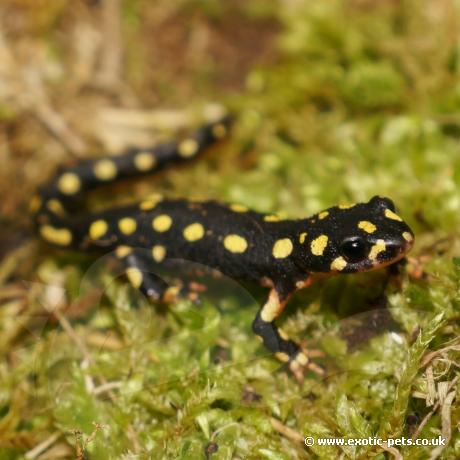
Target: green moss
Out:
[371,85]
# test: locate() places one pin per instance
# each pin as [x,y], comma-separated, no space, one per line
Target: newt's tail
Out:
[56,202]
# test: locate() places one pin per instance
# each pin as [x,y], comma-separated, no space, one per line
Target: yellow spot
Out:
[303,237]
[219,130]
[55,206]
[238,207]
[162,223]
[59,236]
[105,169]
[367,226]
[171,294]
[147,205]
[123,251]
[193,232]
[144,161]
[188,148]
[346,206]
[69,183]
[323,215]
[98,228]
[281,356]
[35,204]
[127,225]
[271,309]
[302,359]
[318,245]
[338,264]
[282,248]
[235,243]
[271,218]
[283,334]
[158,253]
[135,276]
[408,237]
[150,202]
[391,215]
[376,249]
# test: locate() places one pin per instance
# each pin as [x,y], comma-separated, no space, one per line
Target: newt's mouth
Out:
[391,251]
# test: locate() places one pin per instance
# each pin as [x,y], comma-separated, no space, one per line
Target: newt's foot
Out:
[174,293]
[301,361]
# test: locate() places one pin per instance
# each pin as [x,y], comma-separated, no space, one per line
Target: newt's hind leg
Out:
[277,341]
[139,274]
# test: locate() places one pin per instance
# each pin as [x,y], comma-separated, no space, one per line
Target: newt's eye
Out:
[354,249]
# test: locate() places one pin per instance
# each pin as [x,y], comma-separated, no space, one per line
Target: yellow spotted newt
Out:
[283,255]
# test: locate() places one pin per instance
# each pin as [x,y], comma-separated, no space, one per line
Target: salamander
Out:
[283,255]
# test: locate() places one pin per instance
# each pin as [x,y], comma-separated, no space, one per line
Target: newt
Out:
[283,255]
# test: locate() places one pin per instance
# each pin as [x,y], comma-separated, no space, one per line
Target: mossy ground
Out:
[336,102]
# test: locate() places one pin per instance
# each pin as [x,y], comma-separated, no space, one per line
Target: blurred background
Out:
[335,102]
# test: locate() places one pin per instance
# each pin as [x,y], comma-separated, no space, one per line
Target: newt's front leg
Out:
[277,341]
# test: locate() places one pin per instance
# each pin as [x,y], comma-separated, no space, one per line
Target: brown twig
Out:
[446,424]
[57,126]
[430,414]
[286,431]
[393,451]
[43,446]
[109,75]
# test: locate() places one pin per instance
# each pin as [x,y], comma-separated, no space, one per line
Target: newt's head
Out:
[356,238]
